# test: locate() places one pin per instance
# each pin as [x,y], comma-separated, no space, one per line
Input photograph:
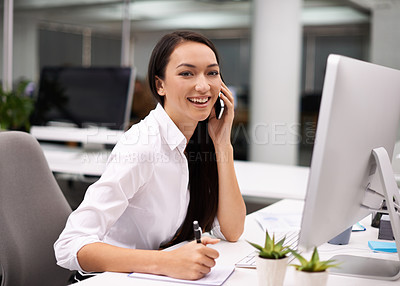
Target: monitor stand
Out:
[373,268]
[366,267]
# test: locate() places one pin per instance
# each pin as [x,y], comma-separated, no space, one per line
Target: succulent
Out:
[314,264]
[272,250]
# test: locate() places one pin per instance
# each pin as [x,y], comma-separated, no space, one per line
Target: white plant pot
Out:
[311,278]
[271,272]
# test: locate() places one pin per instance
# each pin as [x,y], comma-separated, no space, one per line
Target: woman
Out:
[172,168]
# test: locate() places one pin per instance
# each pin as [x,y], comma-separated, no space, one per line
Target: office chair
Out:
[33,212]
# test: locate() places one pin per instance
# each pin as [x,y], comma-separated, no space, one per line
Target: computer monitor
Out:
[84,97]
[360,112]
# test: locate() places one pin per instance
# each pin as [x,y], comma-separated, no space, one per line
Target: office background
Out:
[74,33]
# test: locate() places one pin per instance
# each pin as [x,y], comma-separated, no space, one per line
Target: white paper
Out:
[279,223]
[216,277]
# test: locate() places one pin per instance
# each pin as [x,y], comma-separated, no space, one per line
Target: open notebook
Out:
[216,277]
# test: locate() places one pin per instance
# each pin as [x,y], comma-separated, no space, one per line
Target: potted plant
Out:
[15,108]
[312,272]
[271,262]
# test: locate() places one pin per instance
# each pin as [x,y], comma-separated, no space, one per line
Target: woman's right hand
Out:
[191,261]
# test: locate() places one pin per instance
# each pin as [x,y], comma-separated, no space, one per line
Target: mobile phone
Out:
[219,107]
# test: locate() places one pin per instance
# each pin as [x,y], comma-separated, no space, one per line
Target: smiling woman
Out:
[190,85]
[172,168]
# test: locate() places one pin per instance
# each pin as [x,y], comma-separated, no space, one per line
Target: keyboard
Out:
[249,261]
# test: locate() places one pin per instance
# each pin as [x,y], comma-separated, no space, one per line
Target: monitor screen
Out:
[360,111]
[84,97]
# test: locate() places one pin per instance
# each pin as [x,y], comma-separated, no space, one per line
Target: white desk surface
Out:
[90,135]
[74,161]
[233,252]
[271,180]
[258,180]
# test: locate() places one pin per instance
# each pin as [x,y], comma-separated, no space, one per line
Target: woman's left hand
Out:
[220,129]
[231,208]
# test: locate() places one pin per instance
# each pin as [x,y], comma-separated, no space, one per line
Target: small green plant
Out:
[314,264]
[15,108]
[272,250]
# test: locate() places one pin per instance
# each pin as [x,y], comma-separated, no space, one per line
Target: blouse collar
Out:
[169,131]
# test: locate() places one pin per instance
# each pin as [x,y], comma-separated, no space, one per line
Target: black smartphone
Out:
[219,107]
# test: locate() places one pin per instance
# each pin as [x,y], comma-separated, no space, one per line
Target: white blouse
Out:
[141,199]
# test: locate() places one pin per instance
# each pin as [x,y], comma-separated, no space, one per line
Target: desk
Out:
[91,135]
[75,161]
[270,180]
[232,252]
[257,181]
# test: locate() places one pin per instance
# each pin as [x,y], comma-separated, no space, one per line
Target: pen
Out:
[197,231]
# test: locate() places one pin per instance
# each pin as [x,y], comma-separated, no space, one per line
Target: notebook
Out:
[216,277]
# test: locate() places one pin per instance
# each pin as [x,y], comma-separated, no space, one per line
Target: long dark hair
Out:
[200,152]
